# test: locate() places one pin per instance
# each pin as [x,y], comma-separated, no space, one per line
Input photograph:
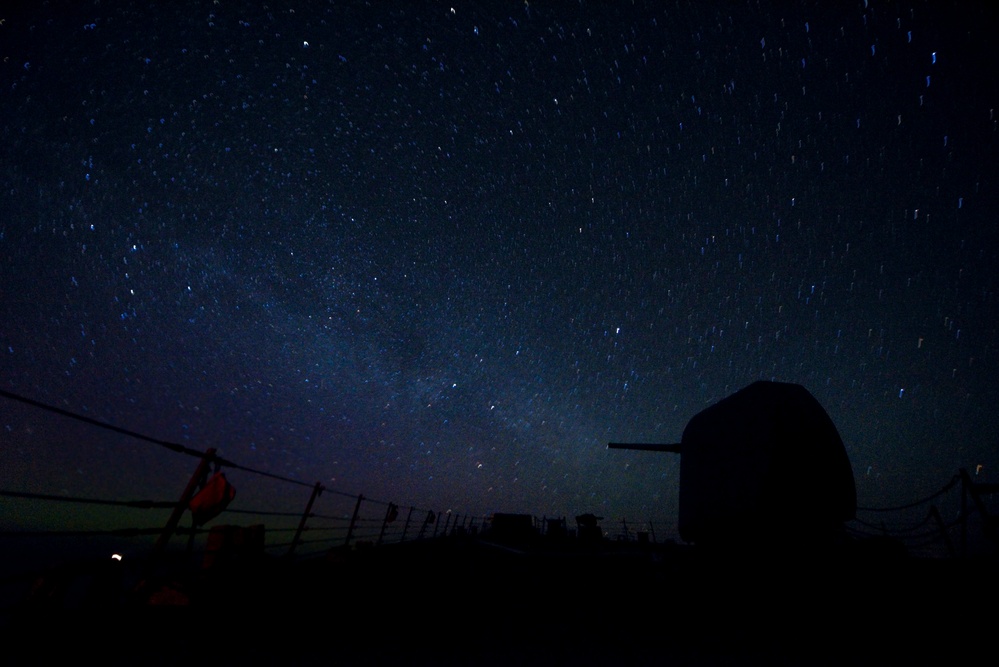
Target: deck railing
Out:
[312,518]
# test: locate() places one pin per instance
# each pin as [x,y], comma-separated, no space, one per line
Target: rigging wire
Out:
[172,446]
[947,487]
[153,504]
[140,504]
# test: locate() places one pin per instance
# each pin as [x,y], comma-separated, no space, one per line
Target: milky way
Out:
[443,255]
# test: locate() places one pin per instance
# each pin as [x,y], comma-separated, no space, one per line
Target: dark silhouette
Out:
[764,466]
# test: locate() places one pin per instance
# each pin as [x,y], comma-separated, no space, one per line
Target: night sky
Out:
[442,254]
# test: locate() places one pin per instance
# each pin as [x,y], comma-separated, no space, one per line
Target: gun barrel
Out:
[646,447]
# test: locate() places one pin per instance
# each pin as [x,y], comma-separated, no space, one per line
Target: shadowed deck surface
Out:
[469,602]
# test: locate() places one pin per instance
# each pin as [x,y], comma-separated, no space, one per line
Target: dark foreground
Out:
[468,602]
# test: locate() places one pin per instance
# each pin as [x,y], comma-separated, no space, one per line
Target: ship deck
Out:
[468,601]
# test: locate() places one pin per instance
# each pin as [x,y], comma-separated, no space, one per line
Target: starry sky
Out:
[441,254]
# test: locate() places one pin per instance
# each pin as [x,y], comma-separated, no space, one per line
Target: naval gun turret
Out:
[764,465]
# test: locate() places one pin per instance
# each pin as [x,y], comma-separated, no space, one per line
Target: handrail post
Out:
[317,491]
[942,527]
[976,491]
[389,511]
[185,500]
[964,511]
[353,519]
[406,527]
[430,518]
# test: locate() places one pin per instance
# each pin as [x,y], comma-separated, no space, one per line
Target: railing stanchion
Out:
[964,512]
[185,499]
[942,527]
[391,513]
[353,520]
[406,527]
[317,490]
[430,519]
